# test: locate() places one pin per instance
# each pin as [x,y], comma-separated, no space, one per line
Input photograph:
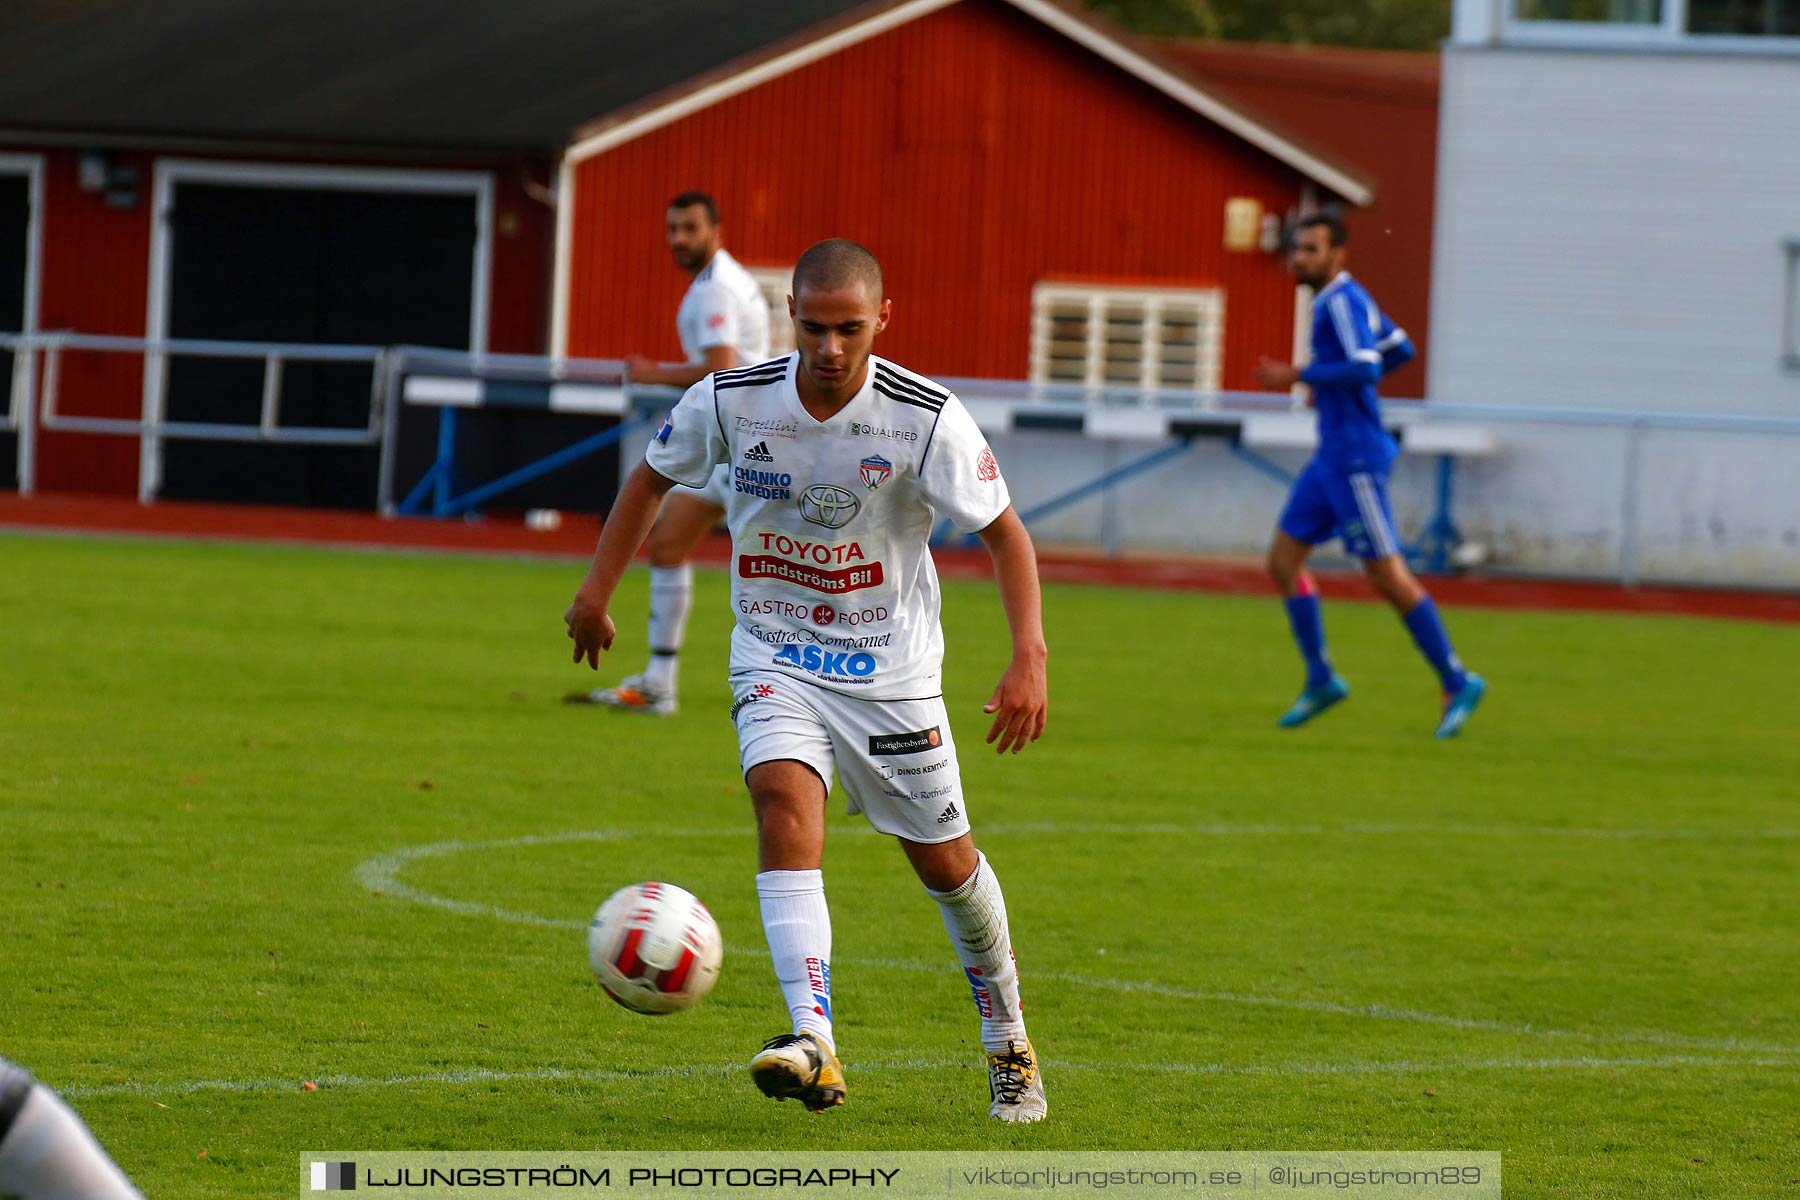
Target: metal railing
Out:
[449,380]
[26,413]
[36,400]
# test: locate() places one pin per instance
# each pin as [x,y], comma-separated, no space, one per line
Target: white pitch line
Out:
[1356,828]
[381,874]
[1381,1012]
[330,1083]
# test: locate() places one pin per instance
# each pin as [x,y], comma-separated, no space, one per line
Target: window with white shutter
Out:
[774,283]
[1105,336]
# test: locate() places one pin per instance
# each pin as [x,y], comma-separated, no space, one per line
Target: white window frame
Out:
[1790,317]
[1209,353]
[774,283]
[1669,33]
[22,386]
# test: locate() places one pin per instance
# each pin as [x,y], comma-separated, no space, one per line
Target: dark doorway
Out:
[15,248]
[318,265]
[253,263]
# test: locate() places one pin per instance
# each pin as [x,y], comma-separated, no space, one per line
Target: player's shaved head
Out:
[838,308]
[837,263]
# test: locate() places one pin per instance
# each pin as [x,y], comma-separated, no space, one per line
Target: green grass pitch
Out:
[1569,936]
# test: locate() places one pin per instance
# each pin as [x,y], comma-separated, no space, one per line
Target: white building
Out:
[1618,218]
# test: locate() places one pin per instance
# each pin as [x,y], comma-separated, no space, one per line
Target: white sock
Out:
[671,599]
[975,916]
[46,1153]
[798,926]
[659,674]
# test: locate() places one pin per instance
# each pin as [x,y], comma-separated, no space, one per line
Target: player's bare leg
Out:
[1287,562]
[683,521]
[958,877]
[1394,581]
[1300,596]
[1463,689]
[789,799]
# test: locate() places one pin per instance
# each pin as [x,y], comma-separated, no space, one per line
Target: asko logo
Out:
[832,663]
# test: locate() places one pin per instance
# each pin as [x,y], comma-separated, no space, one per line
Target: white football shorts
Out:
[895,759]
[717,491]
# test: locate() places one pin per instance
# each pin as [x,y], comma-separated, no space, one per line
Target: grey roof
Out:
[457,74]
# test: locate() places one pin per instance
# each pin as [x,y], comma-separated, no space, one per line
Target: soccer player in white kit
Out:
[724,323]
[840,462]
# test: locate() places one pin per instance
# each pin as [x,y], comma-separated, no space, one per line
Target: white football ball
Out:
[655,948]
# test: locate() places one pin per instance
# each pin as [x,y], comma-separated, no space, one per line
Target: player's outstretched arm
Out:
[1021,701]
[627,525]
[682,375]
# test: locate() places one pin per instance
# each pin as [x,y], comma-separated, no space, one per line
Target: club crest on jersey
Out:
[829,505]
[875,471]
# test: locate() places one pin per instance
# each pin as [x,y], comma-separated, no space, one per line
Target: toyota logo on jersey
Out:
[828,505]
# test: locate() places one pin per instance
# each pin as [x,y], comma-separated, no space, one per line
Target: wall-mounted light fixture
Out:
[95,172]
[91,170]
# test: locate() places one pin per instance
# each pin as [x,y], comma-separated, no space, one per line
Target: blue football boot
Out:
[1458,706]
[1313,701]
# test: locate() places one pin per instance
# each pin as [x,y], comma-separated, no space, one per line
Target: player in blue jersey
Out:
[1343,490]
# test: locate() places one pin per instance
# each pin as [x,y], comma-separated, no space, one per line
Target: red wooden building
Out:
[353,248]
[1049,198]
[1017,166]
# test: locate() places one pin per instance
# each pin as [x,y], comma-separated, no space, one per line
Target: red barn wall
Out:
[976,152]
[95,278]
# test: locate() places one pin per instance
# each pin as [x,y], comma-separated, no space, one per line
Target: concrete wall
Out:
[1609,230]
[1650,501]
[1701,507]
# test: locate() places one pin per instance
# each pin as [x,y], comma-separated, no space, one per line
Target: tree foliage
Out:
[1389,24]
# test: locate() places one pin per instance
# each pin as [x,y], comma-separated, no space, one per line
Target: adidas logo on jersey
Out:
[759,453]
[949,814]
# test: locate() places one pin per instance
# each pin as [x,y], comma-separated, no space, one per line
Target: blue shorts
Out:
[1329,500]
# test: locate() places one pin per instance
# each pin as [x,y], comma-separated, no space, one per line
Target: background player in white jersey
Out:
[46,1152]
[840,463]
[724,323]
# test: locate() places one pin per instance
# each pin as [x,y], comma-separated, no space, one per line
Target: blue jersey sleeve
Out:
[1395,347]
[1349,373]
[1344,343]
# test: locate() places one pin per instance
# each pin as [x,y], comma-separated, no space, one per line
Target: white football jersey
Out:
[724,307]
[832,577]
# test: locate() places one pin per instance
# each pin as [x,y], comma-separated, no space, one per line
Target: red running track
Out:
[575,540]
